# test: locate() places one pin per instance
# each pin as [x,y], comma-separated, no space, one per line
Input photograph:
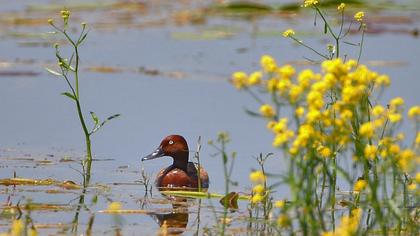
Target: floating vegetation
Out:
[39,182]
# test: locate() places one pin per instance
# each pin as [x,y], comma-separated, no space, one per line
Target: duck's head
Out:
[174,146]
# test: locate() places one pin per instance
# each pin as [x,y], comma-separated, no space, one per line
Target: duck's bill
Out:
[156,154]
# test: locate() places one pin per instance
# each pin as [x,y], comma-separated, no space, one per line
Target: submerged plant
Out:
[69,68]
[323,121]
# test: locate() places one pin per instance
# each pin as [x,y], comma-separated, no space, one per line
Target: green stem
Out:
[306,46]
[361,47]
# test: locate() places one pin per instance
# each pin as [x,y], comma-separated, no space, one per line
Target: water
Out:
[189,95]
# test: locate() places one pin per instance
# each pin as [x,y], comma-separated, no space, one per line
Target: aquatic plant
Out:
[69,68]
[228,164]
[322,123]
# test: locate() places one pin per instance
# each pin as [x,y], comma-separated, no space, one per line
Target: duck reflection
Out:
[174,222]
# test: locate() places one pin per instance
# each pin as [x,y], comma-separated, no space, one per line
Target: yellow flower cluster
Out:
[65,14]
[414,113]
[280,129]
[349,224]
[288,33]
[330,107]
[359,16]
[257,176]
[341,7]
[309,3]
[359,185]
[258,191]
[267,111]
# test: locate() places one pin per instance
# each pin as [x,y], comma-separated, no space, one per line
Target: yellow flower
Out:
[272,85]
[257,198]
[255,78]
[324,151]
[394,149]
[300,111]
[370,151]
[259,188]
[288,33]
[394,117]
[398,101]
[239,79]
[367,130]
[268,63]
[267,111]
[65,14]
[341,7]
[17,227]
[313,115]
[359,185]
[405,158]
[315,100]
[50,21]
[414,112]
[280,126]
[418,177]
[279,204]
[304,78]
[294,93]
[346,114]
[32,232]
[359,16]
[382,80]
[283,220]
[257,176]
[378,110]
[286,71]
[309,3]
[412,186]
[114,206]
[282,138]
[283,86]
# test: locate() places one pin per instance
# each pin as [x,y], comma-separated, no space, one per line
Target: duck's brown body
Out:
[172,177]
[181,174]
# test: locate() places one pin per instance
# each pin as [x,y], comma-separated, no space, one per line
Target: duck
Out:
[182,173]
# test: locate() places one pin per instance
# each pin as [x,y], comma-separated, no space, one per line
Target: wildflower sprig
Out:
[337,37]
[69,68]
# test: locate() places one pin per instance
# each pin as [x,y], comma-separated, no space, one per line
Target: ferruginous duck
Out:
[182,173]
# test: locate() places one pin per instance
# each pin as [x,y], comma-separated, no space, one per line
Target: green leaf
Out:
[69,95]
[109,118]
[82,39]
[94,118]
[252,113]
[53,72]
[325,28]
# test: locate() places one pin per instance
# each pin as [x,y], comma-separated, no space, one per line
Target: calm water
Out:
[189,93]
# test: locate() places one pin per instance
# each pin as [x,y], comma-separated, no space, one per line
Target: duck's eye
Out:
[171,142]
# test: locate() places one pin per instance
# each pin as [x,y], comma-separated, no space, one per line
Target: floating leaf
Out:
[230,200]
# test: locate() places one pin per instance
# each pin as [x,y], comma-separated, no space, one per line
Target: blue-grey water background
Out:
[184,90]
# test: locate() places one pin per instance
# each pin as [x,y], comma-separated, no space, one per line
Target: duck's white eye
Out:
[171,142]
